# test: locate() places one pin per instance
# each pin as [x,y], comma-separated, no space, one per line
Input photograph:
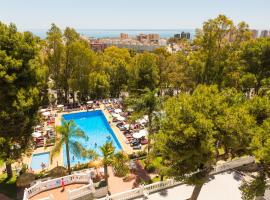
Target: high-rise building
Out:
[177,36]
[264,33]
[153,37]
[141,37]
[255,33]
[123,36]
[185,35]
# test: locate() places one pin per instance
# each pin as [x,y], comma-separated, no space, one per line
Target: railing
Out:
[54,183]
[142,190]
[82,191]
[233,164]
[160,185]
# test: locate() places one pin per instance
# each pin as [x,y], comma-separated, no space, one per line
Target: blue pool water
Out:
[37,159]
[95,125]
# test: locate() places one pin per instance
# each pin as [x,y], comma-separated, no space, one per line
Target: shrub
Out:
[121,170]
[150,168]
[129,177]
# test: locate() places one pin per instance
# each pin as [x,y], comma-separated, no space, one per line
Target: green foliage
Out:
[68,134]
[253,189]
[255,55]
[120,164]
[107,151]
[196,125]
[144,72]
[98,85]
[19,91]
[8,186]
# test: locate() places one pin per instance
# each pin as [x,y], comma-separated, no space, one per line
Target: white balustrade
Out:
[130,194]
[54,183]
[232,164]
[80,192]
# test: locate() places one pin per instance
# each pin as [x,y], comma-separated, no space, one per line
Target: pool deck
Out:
[59,160]
[121,138]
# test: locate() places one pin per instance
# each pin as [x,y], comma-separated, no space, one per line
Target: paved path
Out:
[116,184]
[223,187]
[57,193]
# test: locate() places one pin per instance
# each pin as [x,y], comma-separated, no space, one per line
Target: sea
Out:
[113,33]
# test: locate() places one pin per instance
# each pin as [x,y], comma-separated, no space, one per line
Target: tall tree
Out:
[83,61]
[67,135]
[143,72]
[70,36]
[19,92]
[193,130]
[115,64]
[256,61]
[55,58]
[98,85]
[217,44]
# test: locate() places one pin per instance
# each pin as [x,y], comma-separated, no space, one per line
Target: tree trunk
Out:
[161,177]
[106,175]
[68,158]
[9,170]
[196,192]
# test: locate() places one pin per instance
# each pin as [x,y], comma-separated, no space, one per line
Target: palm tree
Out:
[120,163]
[108,152]
[66,135]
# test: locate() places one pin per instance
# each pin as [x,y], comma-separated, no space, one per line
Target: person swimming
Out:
[95,145]
[108,137]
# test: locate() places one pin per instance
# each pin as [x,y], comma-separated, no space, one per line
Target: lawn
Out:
[8,187]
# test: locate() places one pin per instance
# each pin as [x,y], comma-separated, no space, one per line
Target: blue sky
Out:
[131,14]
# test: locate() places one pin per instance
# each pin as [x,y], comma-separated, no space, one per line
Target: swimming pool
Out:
[95,125]
[38,159]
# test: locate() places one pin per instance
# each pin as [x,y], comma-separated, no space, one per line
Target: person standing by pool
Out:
[63,184]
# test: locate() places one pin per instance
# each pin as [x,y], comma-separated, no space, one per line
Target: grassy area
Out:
[8,187]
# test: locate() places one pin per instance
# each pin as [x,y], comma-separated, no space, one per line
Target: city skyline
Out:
[123,14]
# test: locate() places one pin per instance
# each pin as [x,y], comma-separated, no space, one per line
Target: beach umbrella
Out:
[143,132]
[48,129]
[60,106]
[120,118]
[25,180]
[46,114]
[118,110]
[89,102]
[36,134]
[137,135]
[130,109]
[141,121]
[58,171]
